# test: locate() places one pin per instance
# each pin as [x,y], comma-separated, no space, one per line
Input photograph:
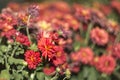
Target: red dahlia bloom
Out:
[106,64]
[47,47]
[99,36]
[85,55]
[32,58]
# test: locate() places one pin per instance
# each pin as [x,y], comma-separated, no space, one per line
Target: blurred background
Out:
[110,7]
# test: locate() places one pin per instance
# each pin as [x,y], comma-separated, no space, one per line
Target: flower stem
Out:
[27,30]
[13,52]
[87,34]
[64,78]
[55,77]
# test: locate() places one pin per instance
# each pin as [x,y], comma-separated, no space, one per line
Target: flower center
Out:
[84,54]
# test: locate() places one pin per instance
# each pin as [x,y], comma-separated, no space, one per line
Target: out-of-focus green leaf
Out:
[76,46]
[85,71]
[25,73]
[40,76]
[1,60]
[3,48]
[5,75]
[80,76]
[47,77]
[18,76]
[92,74]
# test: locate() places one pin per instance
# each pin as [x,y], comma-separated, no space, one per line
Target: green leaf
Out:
[1,53]
[74,78]
[5,75]
[25,73]
[18,76]
[92,74]
[40,76]
[3,48]
[85,71]
[47,77]
[1,60]
[76,46]
[16,61]
[33,47]
[80,76]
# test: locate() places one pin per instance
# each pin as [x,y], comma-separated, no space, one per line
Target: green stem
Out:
[6,60]
[65,78]
[93,46]
[13,52]
[27,30]
[55,77]
[21,69]
[6,63]
[32,75]
[87,34]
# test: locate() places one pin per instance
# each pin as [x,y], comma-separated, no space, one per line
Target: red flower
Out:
[74,57]
[60,57]
[74,67]
[32,58]
[85,55]
[9,34]
[116,50]
[106,64]
[99,36]
[49,70]
[95,61]
[22,39]
[47,47]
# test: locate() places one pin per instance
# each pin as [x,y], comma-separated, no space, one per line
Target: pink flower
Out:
[32,58]
[106,64]
[99,36]
[85,55]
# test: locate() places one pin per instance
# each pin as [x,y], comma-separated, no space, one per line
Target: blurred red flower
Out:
[49,70]
[106,64]
[116,50]
[99,36]
[85,55]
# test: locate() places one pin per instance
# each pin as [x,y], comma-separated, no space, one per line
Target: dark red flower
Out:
[60,57]
[32,58]
[22,39]
[99,36]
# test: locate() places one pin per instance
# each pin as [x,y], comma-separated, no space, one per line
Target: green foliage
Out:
[5,75]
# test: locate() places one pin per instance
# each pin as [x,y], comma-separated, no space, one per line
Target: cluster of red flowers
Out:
[55,35]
